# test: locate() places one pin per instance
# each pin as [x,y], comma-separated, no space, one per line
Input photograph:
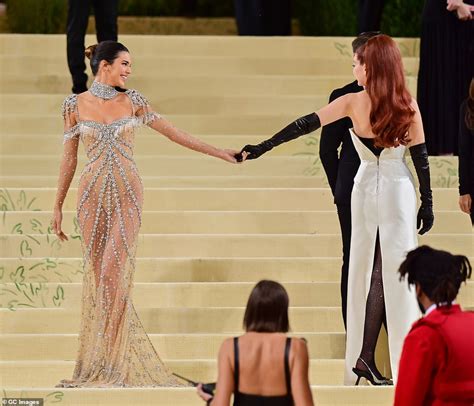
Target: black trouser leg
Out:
[344,214]
[249,16]
[370,15]
[77,18]
[105,12]
[277,17]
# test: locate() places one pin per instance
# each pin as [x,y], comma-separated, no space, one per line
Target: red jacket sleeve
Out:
[421,357]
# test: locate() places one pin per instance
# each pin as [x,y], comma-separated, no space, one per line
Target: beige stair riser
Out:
[227,199]
[177,45]
[14,374]
[322,395]
[190,295]
[200,84]
[217,222]
[25,347]
[298,105]
[194,123]
[148,143]
[168,321]
[228,181]
[215,245]
[299,162]
[311,269]
[216,65]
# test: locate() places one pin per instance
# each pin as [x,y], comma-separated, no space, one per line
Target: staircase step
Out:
[50,104]
[44,347]
[215,245]
[151,143]
[294,269]
[184,294]
[212,65]
[225,222]
[226,199]
[199,84]
[169,320]
[49,373]
[177,45]
[322,396]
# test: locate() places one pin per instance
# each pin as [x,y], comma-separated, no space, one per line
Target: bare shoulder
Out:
[414,105]
[299,346]
[227,347]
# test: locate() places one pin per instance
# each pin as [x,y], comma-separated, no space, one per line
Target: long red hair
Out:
[391,114]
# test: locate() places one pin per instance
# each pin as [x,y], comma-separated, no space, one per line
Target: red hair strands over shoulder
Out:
[391,114]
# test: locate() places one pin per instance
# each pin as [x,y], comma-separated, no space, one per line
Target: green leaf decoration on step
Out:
[37,226]
[25,249]
[6,201]
[19,275]
[58,298]
[54,397]
[76,235]
[343,49]
[22,202]
[17,229]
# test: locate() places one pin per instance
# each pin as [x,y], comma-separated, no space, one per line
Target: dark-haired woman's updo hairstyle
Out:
[104,51]
[438,273]
[267,309]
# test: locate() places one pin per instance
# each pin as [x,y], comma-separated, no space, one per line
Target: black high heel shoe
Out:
[370,376]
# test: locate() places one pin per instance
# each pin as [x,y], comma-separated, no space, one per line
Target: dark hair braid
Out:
[438,273]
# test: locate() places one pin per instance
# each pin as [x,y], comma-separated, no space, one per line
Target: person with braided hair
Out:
[437,362]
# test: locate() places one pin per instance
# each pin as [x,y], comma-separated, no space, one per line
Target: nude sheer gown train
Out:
[114,349]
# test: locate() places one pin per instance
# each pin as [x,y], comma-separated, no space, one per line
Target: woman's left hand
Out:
[465,203]
[203,395]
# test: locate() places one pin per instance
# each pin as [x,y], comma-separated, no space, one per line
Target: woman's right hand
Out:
[465,203]
[56,224]
[228,155]
[464,12]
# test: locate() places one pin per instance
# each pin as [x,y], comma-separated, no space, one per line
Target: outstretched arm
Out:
[166,128]
[336,110]
[145,112]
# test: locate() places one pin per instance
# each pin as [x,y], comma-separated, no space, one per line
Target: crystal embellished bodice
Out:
[114,349]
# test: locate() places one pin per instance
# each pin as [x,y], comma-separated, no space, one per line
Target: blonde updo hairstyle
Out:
[105,50]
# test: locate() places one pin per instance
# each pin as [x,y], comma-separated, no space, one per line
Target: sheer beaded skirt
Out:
[114,349]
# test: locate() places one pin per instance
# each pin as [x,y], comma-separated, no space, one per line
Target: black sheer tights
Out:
[374,314]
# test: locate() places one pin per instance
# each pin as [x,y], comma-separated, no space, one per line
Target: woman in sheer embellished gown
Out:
[386,121]
[114,349]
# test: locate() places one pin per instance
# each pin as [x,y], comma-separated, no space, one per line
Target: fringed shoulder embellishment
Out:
[69,105]
[137,98]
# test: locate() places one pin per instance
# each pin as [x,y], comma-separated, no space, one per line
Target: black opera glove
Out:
[419,156]
[301,126]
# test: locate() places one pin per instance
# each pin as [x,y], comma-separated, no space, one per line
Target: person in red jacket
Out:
[437,361]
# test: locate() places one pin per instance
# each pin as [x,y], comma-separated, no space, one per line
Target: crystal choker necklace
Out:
[103,91]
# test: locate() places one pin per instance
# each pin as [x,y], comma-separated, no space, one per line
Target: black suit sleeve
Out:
[331,139]
[465,154]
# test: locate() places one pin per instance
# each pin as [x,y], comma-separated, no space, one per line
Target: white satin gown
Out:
[383,198]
